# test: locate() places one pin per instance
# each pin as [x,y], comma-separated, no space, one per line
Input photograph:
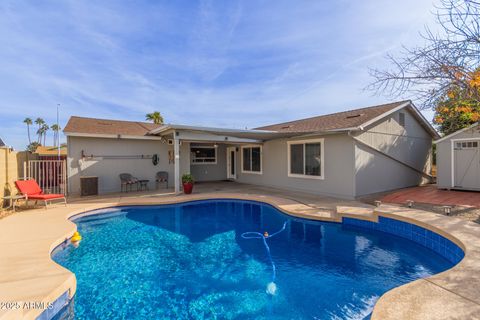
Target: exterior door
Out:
[231,163]
[467,164]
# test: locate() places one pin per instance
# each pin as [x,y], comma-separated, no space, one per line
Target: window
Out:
[466,145]
[401,119]
[305,159]
[252,159]
[203,154]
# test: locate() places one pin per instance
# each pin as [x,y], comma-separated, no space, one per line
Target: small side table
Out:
[13,200]
[143,184]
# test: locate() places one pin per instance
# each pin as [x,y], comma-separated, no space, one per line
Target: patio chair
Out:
[32,191]
[127,180]
[161,177]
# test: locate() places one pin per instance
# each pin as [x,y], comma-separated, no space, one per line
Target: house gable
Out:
[396,150]
[465,132]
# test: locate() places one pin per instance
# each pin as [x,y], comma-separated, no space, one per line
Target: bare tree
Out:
[449,58]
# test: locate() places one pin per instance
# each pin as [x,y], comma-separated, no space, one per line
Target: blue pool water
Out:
[189,261]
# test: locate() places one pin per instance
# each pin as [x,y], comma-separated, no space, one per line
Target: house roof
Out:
[451,135]
[335,121]
[51,151]
[355,119]
[331,123]
[91,127]
[95,127]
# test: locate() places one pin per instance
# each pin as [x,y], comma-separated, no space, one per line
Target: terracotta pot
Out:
[187,187]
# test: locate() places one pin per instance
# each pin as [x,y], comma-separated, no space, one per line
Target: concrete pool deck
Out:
[28,274]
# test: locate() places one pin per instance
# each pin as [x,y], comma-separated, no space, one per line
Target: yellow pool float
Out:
[76,237]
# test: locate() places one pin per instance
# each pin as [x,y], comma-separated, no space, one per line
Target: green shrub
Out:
[187,178]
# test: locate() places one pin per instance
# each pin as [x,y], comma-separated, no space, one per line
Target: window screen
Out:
[296,159]
[306,159]
[203,154]
[252,161]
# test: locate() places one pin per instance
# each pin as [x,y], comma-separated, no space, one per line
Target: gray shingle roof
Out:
[339,121]
[108,127]
[334,121]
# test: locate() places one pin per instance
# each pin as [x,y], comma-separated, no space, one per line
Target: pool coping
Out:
[453,294]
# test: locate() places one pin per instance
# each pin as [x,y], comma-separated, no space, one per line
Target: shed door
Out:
[467,164]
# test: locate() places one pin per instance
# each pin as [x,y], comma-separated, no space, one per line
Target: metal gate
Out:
[51,175]
[467,165]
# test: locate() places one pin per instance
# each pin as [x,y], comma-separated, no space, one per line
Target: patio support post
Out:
[176,151]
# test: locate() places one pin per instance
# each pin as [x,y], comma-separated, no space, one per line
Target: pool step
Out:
[360,213]
[310,212]
[326,214]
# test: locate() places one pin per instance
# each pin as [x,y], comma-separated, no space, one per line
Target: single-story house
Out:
[345,154]
[458,159]
[51,153]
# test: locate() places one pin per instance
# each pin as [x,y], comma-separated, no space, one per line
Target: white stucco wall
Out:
[338,168]
[410,144]
[212,172]
[108,170]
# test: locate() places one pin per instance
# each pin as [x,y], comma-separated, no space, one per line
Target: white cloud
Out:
[230,63]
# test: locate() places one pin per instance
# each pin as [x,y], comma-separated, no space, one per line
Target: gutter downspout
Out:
[423,173]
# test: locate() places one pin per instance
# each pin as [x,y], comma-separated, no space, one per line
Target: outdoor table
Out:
[13,200]
[143,184]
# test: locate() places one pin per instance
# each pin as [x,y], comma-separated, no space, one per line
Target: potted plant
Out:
[187,181]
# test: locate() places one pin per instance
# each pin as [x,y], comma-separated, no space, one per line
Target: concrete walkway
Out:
[28,274]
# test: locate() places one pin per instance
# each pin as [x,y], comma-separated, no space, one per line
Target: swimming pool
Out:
[190,261]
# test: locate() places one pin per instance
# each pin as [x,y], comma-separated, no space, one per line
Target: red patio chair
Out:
[32,191]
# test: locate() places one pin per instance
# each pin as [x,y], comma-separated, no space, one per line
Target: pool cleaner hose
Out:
[271,286]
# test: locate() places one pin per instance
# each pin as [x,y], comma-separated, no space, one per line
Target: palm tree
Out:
[40,135]
[45,128]
[40,122]
[155,117]
[28,122]
[55,128]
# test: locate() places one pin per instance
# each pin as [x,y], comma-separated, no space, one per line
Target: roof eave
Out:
[456,132]
[204,129]
[110,136]
[159,130]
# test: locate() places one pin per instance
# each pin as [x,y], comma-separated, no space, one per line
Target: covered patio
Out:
[214,152]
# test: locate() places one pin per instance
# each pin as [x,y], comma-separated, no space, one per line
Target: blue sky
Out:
[220,63]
